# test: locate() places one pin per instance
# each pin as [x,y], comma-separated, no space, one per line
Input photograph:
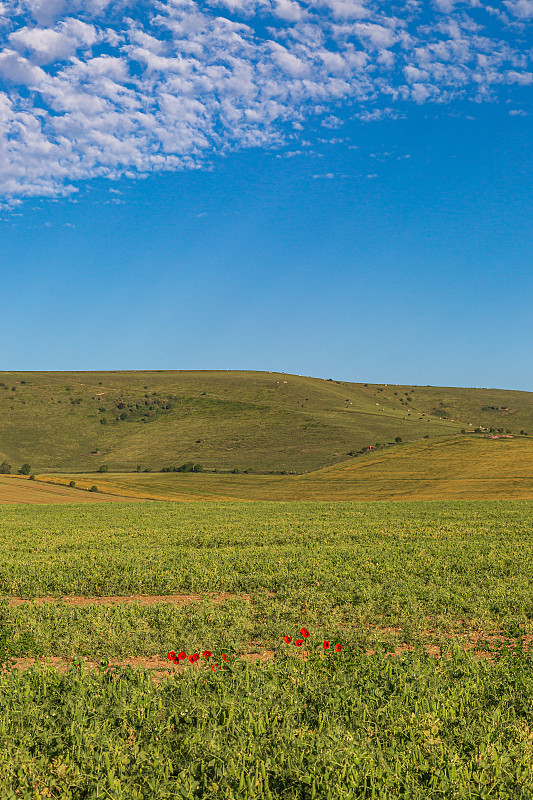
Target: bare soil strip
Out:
[144,600]
[161,666]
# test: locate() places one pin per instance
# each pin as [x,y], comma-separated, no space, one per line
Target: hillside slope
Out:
[76,421]
[451,468]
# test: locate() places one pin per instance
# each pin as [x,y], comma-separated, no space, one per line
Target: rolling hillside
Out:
[267,422]
[450,468]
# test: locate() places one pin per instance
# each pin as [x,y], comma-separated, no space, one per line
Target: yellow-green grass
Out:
[452,468]
[222,419]
[334,726]
[14,489]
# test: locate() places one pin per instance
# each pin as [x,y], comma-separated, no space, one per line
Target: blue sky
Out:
[336,188]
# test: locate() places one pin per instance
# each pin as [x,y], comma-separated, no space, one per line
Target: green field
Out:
[267,422]
[418,580]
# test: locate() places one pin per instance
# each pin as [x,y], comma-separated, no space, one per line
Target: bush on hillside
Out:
[5,468]
[94,489]
[104,468]
[25,469]
[398,439]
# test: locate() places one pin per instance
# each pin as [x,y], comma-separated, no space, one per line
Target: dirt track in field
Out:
[161,666]
[473,640]
[144,600]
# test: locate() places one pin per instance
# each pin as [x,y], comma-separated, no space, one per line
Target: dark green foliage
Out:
[72,484]
[103,468]
[398,439]
[25,469]
[94,489]
[5,468]
[188,466]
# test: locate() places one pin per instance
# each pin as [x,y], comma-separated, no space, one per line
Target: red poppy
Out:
[325,644]
[171,656]
[193,658]
[206,654]
[304,632]
[224,656]
[175,661]
[298,642]
[182,655]
[338,648]
[287,639]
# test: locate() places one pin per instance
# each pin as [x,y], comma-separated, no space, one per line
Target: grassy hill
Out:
[76,421]
[451,468]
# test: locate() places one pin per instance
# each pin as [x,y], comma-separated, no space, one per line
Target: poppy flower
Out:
[304,632]
[193,658]
[182,655]
[298,642]
[287,639]
[338,648]
[224,656]
[171,656]
[325,644]
[206,654]
[175,660]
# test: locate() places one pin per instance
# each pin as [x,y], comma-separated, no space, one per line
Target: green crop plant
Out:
[350,726]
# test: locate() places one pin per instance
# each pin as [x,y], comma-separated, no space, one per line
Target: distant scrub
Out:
[189,466]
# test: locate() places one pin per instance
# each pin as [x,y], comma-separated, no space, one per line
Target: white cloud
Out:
[522,78]
[521,8]
[47,45]
[96,88]
[288,10]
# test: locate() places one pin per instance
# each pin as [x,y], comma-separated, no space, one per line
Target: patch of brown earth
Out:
[161,666]
[144,600]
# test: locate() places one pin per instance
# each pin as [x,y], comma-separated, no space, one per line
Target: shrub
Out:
[25,469]
[32,477]
[5,468]
[104,468]
[72,484]
[398,439]
[94,489]
[198,468]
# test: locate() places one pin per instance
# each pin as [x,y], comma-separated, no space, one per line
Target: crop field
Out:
[447,468]
[429,693]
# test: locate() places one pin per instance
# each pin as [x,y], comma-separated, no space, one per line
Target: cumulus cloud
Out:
[120,88]
[521,8]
